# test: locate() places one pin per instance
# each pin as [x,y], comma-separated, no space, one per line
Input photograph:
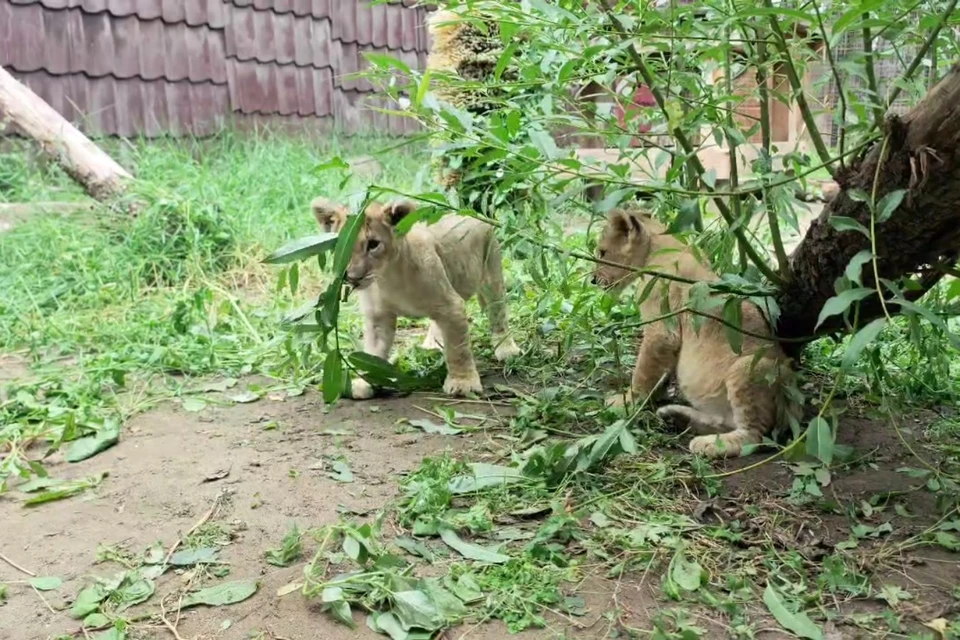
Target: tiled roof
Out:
[129,67]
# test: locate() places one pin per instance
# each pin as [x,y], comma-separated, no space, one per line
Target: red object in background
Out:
[642,99]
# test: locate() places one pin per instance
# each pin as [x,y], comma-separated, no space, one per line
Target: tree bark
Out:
[918,153]
[86,163]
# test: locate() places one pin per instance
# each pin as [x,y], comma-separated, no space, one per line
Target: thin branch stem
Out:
[871,73]
[799,96]
[767,142]
[918,59]
[735,201]
[692,158]
[836,78]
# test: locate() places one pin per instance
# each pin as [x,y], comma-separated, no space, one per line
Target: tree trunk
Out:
[86,163]
[918,153]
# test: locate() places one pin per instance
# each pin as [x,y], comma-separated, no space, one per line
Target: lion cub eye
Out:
[372,245]
[601,253]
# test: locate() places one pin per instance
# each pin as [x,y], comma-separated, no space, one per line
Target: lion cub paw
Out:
[505,349]
[360,389]
[714,446]
[462,386]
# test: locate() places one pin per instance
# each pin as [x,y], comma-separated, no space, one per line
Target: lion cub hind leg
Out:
[753,402]
[493,299]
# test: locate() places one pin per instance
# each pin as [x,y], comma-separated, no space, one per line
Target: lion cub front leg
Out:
[462,376]
[657,356]
[379,329]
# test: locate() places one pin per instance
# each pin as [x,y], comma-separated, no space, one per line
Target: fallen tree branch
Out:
[86,163]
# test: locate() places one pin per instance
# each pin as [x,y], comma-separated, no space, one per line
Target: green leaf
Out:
[64,490]
[134,590]
[469,550]
[341,472]
[841,302]
[190,557]
[387,623]
[797,623]
[386,61]
[467,589]
[335,602]
[37,483]
[732,315]
[48,583]
[303,248]
[686,573]
[95,620]
[221,594]
[889,204]
[415,609]
[193,405]
[484,476]
[428,426]
[820,440]
[842,223]
[89,446]
[88,601]
[858,342]
[376,370]
[332,377]
[414,547]
[855,266]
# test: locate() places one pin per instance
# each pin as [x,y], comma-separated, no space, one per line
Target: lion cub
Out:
[428,272]
[736,399]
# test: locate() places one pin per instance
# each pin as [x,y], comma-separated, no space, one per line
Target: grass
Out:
[114,315]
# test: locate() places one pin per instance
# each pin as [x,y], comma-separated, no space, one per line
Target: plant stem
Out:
[836,78]
[798,93]
[735,201]
[918,59]
[871,73]
[767,143]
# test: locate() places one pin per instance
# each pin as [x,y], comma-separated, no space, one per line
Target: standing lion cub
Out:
[430,271]
[736,399]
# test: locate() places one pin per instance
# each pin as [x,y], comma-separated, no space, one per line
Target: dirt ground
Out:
[271,458]
[274,453]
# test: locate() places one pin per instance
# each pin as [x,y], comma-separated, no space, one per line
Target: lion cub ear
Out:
[626,222]
[330,216]
[394,212]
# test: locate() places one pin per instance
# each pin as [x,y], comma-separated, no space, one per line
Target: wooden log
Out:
[86,163]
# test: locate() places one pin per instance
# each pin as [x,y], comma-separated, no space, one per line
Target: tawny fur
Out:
[735,400]
[430,271]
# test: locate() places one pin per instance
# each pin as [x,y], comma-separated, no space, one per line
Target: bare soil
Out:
[271,458]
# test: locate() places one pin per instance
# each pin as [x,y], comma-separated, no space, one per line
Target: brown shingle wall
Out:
[180,67]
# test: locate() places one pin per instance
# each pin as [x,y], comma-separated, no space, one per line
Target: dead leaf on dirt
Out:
[429,426]
[218,385]
[939,625]
[189,557]
[244,397]
[288,589]
[336,432]
[341,472]
[219,474]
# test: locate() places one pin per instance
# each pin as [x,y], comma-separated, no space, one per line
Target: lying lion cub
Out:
[736,399]
[428,272]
